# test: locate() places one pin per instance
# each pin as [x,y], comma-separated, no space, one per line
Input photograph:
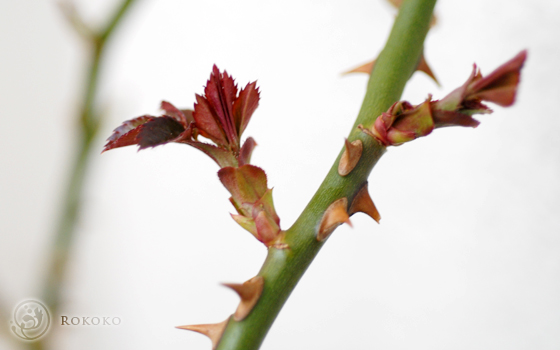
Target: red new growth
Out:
[221,115]
[404,122]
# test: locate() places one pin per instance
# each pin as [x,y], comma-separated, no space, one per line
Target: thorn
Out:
[334,216]
[423,67]
[213,331]
[363,203]
[364,68]
[350,157]
[249,292]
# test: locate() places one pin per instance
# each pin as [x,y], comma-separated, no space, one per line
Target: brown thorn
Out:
[350,157]
[423,67]
[334,216]
[364,68]
[363,203]
[213,331]
[249,292]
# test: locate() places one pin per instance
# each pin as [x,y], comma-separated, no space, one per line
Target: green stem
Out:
[89,125]
[283,268]
[115,20]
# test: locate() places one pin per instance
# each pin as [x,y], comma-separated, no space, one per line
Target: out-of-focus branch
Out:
[89,123]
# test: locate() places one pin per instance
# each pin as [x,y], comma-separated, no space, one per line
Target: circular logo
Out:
[31,320]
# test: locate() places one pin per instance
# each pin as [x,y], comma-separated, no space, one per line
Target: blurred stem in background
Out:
[89,122]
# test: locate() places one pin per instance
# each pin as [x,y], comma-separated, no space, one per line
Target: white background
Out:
[467,255]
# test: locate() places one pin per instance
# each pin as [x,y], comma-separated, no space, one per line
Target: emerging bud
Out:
[499,87]
[220,115]
[252,199]
[404,122]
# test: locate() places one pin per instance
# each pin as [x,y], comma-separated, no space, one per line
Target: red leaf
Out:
[220,93]
[206,121]
[188,113]
[245,105]
[212,118]
[500,86]
[125,135]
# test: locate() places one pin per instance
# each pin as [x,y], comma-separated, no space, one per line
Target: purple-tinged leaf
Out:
[159,131]
[125,135]
[176,114]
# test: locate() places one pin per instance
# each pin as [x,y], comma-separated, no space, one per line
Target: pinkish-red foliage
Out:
[404,122]
[221,115]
